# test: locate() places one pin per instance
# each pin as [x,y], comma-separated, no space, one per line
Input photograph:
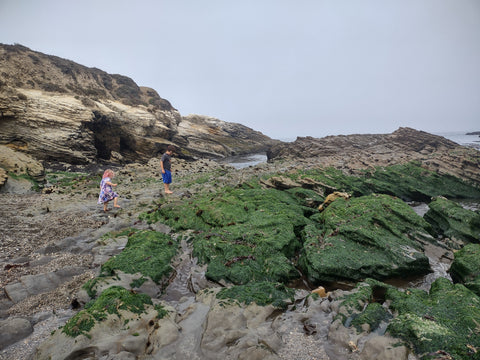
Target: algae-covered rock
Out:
[244,234]
[408,181]
[373,315]
[372,236]
[147,252]
[465,268]
[119,321]
[451,220]
[446,319]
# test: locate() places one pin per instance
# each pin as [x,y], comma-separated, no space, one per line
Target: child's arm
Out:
[161,165]
[111,184]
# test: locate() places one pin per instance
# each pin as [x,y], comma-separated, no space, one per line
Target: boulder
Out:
[376,236]
[450,219]
[118,322]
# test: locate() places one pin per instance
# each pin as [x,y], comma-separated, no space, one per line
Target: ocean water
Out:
[243,161]
[461,137]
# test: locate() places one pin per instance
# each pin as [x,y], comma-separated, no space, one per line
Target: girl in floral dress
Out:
[106,191]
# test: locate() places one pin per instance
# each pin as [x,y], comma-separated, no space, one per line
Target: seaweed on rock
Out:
[374,236]
[147,252]
[447,319]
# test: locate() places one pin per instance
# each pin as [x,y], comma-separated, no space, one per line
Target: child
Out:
[106,191]
[166,168]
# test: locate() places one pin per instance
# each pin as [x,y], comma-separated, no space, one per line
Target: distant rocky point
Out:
[55,110]
[473,133]
[366,151]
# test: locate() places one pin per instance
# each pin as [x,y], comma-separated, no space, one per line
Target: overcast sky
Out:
[284,67]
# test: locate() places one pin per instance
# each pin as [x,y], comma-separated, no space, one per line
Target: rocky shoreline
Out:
[315,254]
[50,247]
[57,241]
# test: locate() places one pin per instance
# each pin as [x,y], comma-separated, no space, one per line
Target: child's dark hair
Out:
[171,148]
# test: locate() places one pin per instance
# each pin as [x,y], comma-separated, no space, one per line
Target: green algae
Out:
[370,236]
[147,252]
[373,315]
[409,181]
[261,293]
[447,318]
[110,301]
[90,287]
[36,186]
[244,234]
[353,305]
[451,220]
[465,267]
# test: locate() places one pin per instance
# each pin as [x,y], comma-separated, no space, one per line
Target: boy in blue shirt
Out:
[166,168]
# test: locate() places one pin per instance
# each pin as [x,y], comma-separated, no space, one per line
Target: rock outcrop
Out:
[367,151]
[55,110]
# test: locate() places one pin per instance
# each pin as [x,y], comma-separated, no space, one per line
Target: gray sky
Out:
[284,67]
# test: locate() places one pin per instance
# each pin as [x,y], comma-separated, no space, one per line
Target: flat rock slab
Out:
[13,330]
[37,284]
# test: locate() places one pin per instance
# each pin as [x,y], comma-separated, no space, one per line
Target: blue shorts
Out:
[167,177]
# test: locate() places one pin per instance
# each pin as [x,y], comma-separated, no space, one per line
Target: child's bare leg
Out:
[115,200]
[167,189]
[105,206]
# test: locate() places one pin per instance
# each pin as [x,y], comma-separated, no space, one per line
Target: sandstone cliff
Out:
[53,109]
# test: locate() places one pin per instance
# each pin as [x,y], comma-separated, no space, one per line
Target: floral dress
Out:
[106,191]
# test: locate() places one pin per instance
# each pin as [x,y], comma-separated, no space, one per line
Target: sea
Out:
[243,161]
[461,137]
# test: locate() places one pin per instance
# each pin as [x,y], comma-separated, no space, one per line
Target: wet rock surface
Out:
[56,242]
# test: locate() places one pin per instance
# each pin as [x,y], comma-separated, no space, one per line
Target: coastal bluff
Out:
[55,110]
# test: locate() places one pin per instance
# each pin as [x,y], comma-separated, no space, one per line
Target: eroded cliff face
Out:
[55,110]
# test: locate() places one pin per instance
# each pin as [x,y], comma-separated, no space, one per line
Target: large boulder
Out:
[443,321]
[375,236]
[243,234]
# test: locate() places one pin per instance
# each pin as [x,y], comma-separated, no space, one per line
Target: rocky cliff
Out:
[366,151]
[53,109]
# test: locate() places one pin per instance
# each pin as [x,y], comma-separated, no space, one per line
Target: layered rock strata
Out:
[55,110]
[366,151]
